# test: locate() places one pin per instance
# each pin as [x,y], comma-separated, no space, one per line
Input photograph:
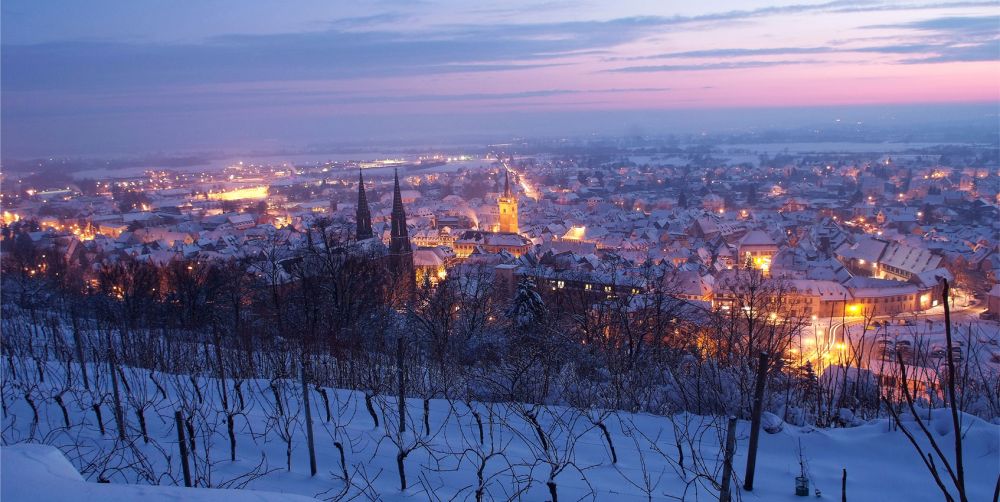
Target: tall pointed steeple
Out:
[400,252]
[400,236]
[364,213]
[508,208]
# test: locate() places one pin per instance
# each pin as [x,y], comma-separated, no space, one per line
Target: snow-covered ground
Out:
[516,458]
[41,472]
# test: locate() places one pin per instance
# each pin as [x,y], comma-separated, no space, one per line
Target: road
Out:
[845,339]
[529,190]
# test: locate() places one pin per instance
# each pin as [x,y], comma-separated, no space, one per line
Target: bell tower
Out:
[364,213]
[400,251]
[508,208]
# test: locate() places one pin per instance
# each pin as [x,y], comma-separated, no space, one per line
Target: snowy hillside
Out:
[503,451]
[41,472]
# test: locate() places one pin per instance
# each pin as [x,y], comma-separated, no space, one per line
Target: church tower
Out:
[508,208]
[364,213]
[400,252]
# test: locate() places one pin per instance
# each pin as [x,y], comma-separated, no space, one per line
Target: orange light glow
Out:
[575,233]
[253,193]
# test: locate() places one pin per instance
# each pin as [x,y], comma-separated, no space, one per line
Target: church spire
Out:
[508,208]
[364,214]
[400,237]
[400,252]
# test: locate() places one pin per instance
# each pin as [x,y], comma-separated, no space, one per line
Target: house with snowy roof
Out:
[758,247]
[491,242]
[901,261]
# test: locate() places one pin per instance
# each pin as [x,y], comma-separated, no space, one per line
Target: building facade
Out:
[507,203]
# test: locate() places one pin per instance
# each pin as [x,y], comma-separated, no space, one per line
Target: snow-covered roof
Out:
[910,259]
[757,238]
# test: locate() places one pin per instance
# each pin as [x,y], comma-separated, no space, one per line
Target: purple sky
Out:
[146,76]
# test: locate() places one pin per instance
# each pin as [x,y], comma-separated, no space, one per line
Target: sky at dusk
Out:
[145,76]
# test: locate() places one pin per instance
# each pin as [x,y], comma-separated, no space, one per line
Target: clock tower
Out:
[508,208]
